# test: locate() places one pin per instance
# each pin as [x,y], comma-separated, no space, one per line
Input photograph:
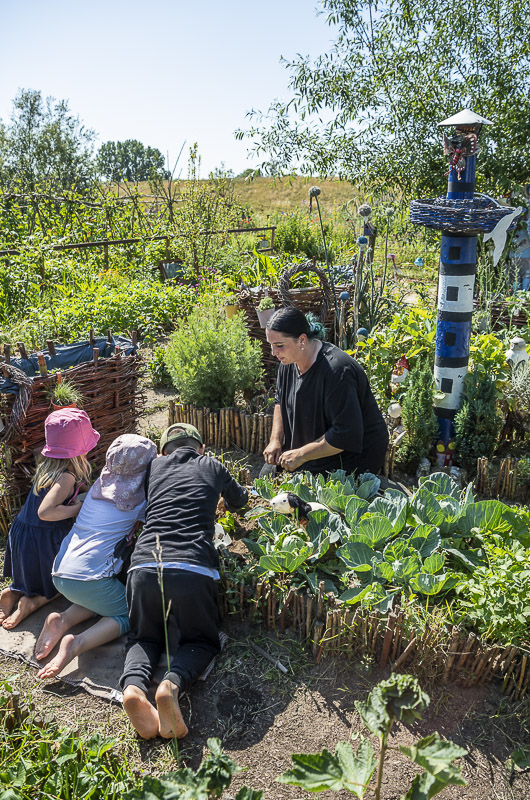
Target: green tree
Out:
[418,417]
[130,161]
[477,423]
[397,68]
[45,146]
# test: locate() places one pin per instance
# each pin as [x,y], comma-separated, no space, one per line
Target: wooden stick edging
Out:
[339,631]
[228,427]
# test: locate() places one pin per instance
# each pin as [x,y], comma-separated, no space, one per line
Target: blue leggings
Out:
[104,596]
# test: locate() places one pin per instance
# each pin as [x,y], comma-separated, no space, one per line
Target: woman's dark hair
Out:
[293,323]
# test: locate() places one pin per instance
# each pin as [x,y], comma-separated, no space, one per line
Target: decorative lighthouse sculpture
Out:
[461,217]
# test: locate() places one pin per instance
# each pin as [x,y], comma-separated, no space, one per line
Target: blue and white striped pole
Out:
[458,261]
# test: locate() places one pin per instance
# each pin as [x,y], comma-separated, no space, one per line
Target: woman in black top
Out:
[326,417]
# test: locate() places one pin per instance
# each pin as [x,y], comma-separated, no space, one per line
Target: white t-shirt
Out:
[87,553]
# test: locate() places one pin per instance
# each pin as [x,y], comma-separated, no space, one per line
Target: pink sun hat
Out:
[68,433]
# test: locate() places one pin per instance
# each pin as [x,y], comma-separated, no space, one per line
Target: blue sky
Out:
[159,71]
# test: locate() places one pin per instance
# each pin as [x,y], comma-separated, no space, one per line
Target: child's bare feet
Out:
[26,606]
[53,629]
[142,715]
[8,600]
[172,724]
[68,650]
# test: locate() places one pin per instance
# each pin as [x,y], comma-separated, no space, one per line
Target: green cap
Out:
[181,430]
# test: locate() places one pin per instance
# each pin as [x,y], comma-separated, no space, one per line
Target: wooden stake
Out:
[320,600]
[451,655]
[309,609]
[405,654]
[317,634]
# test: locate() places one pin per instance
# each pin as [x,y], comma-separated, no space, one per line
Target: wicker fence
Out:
[113,401]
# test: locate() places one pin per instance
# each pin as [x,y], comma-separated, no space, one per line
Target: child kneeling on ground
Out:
[172,579]
[89,561]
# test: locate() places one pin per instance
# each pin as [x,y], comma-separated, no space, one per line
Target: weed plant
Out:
[418,418]
[477,423]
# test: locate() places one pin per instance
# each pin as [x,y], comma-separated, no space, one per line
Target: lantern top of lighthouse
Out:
[465,118]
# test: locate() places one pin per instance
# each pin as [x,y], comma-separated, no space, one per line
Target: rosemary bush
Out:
[211,358]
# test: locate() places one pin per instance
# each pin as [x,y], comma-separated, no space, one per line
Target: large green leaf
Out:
[355,595]
[426,508]
[265,488]
[489,515]
[406,569]
[368,488]
[436,756]
[469,559]
[357,556]
[335,498]
[323,771]
[248,794]
[395,509]
[374,530]
[425,539]
[355,508]
[434,563]
[254,547]
[426,583]
[397,549]
[440,483]
[399,697]
[273,524]
[284,561]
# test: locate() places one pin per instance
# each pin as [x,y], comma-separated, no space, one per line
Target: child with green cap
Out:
[172,579]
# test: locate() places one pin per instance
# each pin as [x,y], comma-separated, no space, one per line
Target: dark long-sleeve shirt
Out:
[183,490]
[332,399]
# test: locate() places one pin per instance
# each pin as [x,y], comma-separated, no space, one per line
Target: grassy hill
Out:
[266,195]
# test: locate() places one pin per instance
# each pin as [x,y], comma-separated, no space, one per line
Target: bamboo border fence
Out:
[336,630]
[226,427]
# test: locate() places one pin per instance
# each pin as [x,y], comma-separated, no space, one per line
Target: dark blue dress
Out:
[31,548]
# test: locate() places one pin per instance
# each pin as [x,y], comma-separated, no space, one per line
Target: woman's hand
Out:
[272,452]
[292,459]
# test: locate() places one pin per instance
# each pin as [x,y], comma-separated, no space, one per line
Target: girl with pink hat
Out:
[91,556]
[46,516]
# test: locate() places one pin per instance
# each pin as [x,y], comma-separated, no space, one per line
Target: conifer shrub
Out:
[211,358]
[477,423]
[418,418]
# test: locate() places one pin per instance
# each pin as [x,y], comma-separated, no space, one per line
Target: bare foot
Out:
[8,600]
[142,715]
[67,651]
[52,631]
[26,606]
[172,724]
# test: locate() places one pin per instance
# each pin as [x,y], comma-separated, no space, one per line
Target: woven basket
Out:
[315,299]
[479,215]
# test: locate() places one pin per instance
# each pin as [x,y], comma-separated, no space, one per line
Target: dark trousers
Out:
[190,607]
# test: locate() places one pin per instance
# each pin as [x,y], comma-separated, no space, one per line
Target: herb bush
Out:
[418,417]
[477,423]
[212,358]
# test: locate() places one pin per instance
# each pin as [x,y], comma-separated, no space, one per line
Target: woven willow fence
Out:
[113,401]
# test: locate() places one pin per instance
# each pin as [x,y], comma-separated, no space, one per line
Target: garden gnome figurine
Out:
[517,353]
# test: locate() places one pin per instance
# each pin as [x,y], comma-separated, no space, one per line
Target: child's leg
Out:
[26,606]
[199,643]
[105,630]
[144,647]
[8,600]
[57,625]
